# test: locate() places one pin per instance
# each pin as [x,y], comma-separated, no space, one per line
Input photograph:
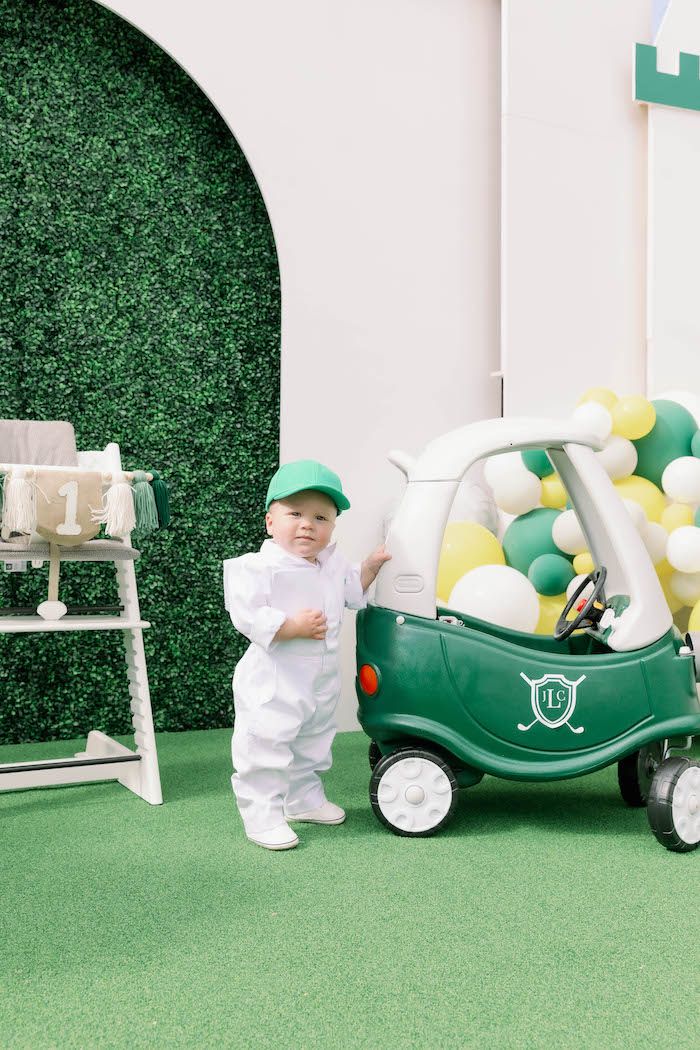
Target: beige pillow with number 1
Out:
[65,500]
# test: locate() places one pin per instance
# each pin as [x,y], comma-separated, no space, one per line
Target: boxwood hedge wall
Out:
[139,299]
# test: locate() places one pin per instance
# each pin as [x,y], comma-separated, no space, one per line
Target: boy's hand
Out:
[372,564]
[377,558]
[309,623]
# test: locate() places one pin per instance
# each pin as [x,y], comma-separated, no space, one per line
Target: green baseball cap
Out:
[306,474]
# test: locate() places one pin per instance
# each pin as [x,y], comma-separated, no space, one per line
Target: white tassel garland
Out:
[19,502]
[117,513]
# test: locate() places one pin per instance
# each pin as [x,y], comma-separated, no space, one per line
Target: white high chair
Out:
[103,757]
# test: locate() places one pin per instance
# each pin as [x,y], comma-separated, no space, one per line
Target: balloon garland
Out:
[651,452]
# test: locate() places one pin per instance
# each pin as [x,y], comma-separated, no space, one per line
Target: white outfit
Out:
[285,692]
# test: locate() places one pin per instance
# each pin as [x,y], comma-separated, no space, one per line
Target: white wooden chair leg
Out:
[141,713]
[142,719]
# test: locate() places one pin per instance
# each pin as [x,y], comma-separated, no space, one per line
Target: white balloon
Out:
[618,457]
[681,480]
[595,418]
[499,469]
[685,586]
[683,549]
[655,540]
[497,594]
[567,533]
[636,513]
[519,493]
[574,584]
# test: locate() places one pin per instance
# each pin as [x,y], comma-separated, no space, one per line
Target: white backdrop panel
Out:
[674,219]
[372,128]
[574,202]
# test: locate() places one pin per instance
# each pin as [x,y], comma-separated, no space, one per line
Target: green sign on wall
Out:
[681,89]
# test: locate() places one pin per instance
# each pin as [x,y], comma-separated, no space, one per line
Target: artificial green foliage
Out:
[139,299]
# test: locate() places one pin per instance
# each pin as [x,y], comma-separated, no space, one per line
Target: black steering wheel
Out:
[589,614]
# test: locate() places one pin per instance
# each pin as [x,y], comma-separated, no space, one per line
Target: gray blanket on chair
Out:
[49,444]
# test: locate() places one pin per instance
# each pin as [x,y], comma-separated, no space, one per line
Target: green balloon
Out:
[551,574]
[538,462]
[695,444]
[696,518]
[528,536]
[670,437]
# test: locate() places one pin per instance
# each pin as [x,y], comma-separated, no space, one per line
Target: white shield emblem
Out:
[553,699]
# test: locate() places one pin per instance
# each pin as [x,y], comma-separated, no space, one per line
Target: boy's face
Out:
[302,524]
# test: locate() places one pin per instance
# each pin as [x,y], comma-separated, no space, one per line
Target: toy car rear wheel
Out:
[674,804]
[635,772]
[374,754]
[413,792]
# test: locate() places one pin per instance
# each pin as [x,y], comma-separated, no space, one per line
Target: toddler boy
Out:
[289,599]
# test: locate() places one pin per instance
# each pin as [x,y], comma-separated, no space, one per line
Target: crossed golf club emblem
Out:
[553,699]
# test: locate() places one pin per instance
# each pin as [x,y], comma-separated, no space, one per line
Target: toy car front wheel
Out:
[674,804]
[635,772]
[413,792]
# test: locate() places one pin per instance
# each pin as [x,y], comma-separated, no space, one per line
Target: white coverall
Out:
[285,692]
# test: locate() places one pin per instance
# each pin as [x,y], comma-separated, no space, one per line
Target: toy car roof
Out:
[450,455]
[415,538]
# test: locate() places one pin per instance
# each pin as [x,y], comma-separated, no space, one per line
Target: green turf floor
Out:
[546,916]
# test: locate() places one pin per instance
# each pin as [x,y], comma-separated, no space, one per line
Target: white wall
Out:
[380,142]
[372,128]
[674,219]
[574,202]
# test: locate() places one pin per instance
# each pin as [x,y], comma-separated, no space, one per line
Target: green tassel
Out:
[144,505]
[161,493]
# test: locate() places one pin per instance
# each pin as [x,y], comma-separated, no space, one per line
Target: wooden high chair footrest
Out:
[30,624]
[93,550]
[65,763]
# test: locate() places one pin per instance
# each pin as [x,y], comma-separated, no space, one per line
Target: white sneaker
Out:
[281,837]
[328,813]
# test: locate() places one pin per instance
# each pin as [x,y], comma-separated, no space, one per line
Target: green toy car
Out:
[446,698]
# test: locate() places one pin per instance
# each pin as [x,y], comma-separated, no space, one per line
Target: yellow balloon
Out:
[602,395]
[551,607]
[650,498]
[664,569]
[633,417]
[694,621]
[676,515]
[583,564]
[465,546]
[553,492]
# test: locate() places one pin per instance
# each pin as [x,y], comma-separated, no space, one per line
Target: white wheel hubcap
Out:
[686,805]
[414,794]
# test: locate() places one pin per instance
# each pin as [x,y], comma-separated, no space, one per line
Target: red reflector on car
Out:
[369,679]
